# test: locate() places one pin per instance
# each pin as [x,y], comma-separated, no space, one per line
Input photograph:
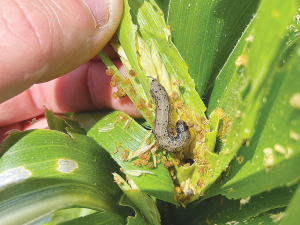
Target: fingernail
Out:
[99,9]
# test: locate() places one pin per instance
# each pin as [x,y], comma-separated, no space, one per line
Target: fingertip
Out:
[87,88]
[50,39]
[101,91]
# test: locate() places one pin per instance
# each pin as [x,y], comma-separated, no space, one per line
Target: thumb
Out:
[42,40]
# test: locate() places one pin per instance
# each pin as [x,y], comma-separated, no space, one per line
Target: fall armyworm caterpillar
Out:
[162,123]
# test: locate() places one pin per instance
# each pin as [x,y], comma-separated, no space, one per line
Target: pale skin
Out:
[48,50]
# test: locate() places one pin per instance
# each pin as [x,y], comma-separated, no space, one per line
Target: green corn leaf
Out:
[272,145]
[205,32]
[120,135]
[98,218]
[279,136]
[57,171]
[264,55]
[241,166]
[142,28]
[146,21]
[144,206]
[222,92]
[220,210]
[64,215]
[291,215]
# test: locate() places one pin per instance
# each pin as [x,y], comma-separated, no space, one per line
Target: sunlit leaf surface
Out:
[220,210]
[205,32]
[124,138]
[243,62]
[45,170]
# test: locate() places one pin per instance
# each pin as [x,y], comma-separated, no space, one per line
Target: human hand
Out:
[43,40]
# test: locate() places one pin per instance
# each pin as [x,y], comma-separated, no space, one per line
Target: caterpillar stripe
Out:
[162,123]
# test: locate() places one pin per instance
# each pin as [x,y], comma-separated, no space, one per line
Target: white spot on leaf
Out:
[127,123]
[278,148]
[268,159]
[249,38]
[66,165]
[232,222]
[287,153]
[143,146]
[12,176]
[295,101]
[244,201]
[276,217]
[294,136]
[137,172]
[107,128]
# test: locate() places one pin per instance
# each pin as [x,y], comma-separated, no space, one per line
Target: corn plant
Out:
[231,70]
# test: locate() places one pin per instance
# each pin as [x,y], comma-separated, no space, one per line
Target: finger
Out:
[84,89]
[42,40]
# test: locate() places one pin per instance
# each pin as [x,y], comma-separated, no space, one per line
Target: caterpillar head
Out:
[181,126]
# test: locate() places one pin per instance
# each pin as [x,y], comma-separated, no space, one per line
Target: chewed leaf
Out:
[144,147]
[141,202]
[121,142]
[66,165]
[270,158]
[62,123]
[38,166]
[248,210]
[107,127]
[137,172]
[13,176]
[151,53]
[127,123]
[205,32]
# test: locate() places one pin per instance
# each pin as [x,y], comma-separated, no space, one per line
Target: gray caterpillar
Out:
[162,123]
